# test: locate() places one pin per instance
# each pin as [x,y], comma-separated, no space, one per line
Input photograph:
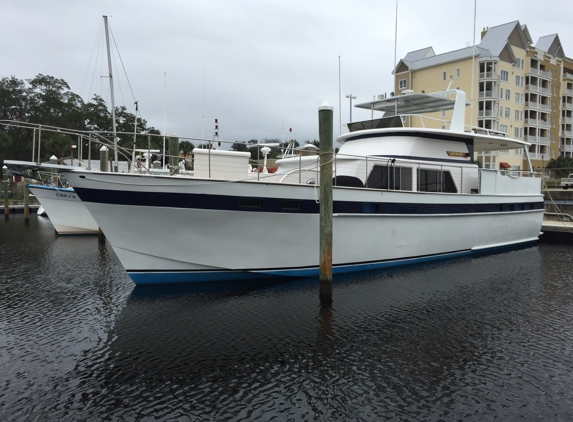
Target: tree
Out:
[48,101]
[185,148]
[562,166]
[239,146]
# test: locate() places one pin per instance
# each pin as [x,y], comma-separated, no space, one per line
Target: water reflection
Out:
[471,339]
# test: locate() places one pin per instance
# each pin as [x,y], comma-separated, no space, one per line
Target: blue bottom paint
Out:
[151,278]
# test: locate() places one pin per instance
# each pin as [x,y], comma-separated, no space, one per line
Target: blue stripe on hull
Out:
[177,277]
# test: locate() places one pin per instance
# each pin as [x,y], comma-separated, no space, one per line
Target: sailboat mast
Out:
[111,90]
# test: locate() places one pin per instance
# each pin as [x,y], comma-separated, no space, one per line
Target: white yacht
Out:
[401,195]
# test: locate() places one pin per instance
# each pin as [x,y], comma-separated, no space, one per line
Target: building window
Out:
[508,94]
[501,93]
[504,76]
[507,112]
[402,84]
[517,115]
[443,113]
[458,73]
[518,80]
[503,128]
[516,132]
[443,76]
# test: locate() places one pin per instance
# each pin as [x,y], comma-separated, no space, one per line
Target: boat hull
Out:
[66,211]
[206,235]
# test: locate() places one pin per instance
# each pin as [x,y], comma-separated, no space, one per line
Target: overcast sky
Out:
[259,67]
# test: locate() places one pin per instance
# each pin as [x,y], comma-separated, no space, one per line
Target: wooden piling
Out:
[103,158]
[325,130]
[5,183]
[26,205]
[100,236]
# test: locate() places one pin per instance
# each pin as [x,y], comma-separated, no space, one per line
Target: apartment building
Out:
[512,85]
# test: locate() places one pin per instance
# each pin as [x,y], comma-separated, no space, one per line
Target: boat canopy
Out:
[413,103]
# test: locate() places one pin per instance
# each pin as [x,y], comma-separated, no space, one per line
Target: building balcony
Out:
[566,133]
[566,106]
[537,122]
[488,94]
[567,75]
[566,148]
[489,75]
[541,140]
[535,88]
[541,73]
[487,113]
[543,157]
[567,120]
[537,106]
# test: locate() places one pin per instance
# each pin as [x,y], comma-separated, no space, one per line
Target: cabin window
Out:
[289,204]
[390,177]
[436,181]
[370,208]
[250,202]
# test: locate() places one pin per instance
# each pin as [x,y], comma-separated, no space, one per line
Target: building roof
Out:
[435,60]
[496,38]
[496,42]
[420,54]
[551,44]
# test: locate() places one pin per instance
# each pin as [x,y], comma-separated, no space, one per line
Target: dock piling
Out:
[325,130]
[26,205]
[5,183]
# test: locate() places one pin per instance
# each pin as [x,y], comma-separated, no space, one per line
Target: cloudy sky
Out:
[260,67]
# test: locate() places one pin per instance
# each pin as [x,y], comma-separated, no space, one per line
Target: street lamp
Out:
[352,97]
[73,148]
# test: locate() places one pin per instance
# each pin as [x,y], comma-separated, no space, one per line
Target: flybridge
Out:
[416,103]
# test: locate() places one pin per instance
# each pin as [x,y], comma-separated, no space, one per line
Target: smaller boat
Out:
[66,211]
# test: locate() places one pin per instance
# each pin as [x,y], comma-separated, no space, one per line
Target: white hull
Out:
[66,211]
[205,238]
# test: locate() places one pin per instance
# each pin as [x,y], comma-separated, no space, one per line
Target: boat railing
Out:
[418,120]
[357,170]
[485,131]
[91,139]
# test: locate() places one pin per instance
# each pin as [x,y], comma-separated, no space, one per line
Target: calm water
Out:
[479,339]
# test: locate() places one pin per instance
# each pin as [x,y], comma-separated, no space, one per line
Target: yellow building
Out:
[512,86]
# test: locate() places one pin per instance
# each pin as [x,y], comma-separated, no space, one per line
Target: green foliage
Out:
[561,166]
[186,147]
[48,101]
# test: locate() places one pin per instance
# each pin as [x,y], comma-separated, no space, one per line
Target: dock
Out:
[19,208]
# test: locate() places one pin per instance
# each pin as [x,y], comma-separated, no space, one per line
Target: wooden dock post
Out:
[103,158]
[325,112]
[26,205]
[100,236]
[5,183]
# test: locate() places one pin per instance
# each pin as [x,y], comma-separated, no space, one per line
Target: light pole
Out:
[352,97]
